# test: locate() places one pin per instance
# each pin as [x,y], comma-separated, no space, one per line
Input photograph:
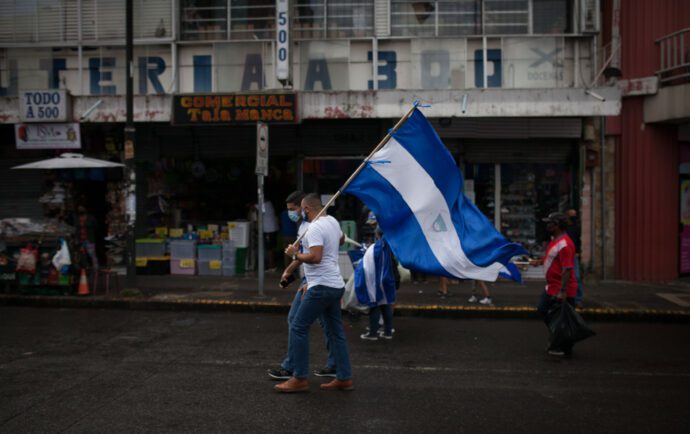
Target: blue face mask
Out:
[304,216]
[293,215]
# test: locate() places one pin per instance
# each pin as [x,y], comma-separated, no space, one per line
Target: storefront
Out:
[40,205]
[517,171]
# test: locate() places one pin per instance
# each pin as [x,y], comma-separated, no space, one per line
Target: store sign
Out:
[639,86]
[534,62]
[282,43]
[47,136]
[235,108]
[43,106]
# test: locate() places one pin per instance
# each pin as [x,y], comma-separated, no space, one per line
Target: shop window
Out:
[203,19]
[252,19]
[505,17]
[527,193]
[552,16]
[435,18]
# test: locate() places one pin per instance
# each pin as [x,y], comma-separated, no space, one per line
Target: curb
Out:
[432,311]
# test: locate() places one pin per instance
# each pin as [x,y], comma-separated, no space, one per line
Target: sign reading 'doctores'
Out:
[234,108]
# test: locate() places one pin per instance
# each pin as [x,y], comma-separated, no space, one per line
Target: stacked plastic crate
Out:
[183,257]
[209,257]
[239,234]
[150,257]
[229,258]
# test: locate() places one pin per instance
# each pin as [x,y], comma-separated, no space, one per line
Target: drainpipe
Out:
[602,127]
[616,35]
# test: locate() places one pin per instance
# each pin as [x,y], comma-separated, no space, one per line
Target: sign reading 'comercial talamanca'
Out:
[235,108]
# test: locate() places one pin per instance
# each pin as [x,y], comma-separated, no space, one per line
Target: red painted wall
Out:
[646,198]
[647,155]
[642,22]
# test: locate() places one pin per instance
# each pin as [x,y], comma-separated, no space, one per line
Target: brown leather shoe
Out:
[338,385]
[293,385]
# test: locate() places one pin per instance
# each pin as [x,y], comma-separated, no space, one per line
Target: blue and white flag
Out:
[416,191]
[374,278]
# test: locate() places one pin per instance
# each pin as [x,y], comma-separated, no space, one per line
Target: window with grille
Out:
[152,19]
[58,20]
[316,19]
[505,17]
[203,19]
[552,16]
[252,19]
[435,18]
[32,20]
[309,19]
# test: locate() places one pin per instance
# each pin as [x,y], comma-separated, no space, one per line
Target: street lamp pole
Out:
[130,135]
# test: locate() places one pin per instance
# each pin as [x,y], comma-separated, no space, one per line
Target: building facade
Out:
[651,138]
[513,87]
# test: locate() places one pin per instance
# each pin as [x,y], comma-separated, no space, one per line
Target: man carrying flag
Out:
[416,191]
[375,286]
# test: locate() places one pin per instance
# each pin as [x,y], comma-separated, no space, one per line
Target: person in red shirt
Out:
[559,264]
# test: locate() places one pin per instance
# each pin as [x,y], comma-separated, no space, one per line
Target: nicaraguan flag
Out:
[416,192]
[374,278]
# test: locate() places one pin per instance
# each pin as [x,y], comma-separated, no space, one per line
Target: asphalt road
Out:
[81,370]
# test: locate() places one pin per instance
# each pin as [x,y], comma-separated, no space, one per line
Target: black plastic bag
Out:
[566,326]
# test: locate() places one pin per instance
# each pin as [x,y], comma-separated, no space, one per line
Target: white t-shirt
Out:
[325,231]
[300,230]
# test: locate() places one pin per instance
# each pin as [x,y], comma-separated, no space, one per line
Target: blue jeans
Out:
[374,315]
[580,291]
[319,301]
[287,364]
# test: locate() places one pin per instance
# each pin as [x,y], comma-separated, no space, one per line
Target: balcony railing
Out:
[674,58]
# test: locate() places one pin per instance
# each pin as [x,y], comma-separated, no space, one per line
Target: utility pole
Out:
[261,172]
[130,136]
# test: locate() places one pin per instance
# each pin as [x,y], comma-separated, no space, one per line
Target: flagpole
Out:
[361,166]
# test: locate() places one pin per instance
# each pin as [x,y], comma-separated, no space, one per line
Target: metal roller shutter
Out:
[555,151]
[508,128]
[20,190]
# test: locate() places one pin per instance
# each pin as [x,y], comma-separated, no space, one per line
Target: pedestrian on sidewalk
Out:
[85,228]
[270,229]
[325,288]
[293,204]
[559,262]
[376,286]
[573,231]
[487,301]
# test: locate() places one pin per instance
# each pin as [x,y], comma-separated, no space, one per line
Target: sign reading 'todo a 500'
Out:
[234,108]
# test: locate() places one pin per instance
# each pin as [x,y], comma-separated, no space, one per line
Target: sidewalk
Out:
[603,300]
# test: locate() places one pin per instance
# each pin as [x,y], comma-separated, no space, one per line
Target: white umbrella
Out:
[69,161]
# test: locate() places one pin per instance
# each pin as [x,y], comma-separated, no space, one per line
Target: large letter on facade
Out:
[53,66]
[253,72]
[97,75]
[317,70]
[9,79]
[387,69]
[146,73]
[493,56]
[202,73]
[440,79]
